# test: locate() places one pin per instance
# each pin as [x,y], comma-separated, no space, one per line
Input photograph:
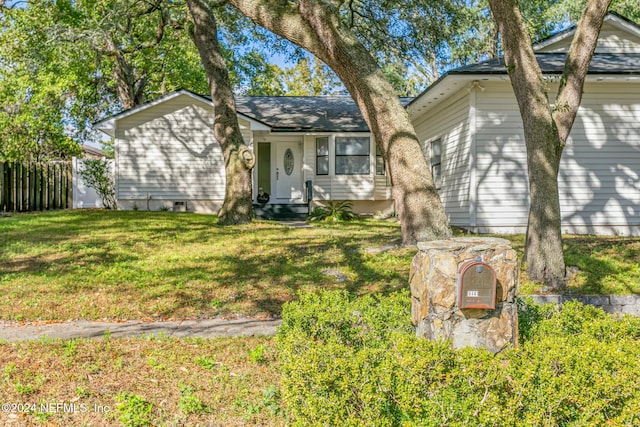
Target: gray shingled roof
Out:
[553,63]
[305,113]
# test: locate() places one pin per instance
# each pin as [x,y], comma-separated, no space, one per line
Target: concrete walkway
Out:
[208,328]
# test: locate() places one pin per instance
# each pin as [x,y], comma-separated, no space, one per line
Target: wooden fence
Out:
[35,186]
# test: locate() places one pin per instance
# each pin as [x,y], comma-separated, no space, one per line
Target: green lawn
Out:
[101,264]
[141,382]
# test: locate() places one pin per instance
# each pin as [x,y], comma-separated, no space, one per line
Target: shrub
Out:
[97,175]
[349,361]
[333,211]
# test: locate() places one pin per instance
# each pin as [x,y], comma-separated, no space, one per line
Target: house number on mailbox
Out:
[477,285]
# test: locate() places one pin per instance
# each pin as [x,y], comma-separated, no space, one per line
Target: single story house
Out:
[471,128]
[166,156]
[468,121]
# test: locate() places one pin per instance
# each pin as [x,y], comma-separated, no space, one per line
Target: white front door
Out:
[288,171]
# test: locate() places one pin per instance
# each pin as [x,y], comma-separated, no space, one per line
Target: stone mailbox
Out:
[464,290]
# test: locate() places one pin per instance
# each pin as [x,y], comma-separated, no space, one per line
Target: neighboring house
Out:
[166,155]
[89,152]
[468,121]
[470,125]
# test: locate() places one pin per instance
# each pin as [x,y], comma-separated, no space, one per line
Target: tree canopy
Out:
[66,64]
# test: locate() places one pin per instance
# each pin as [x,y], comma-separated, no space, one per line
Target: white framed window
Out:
[322,156]
[352,155]
[436,162]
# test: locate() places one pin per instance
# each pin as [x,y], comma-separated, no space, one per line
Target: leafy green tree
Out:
[310,77]
[66,64]
[316,26]
[34,90]
[259,77]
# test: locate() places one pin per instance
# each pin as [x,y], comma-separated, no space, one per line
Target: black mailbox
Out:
[476,285]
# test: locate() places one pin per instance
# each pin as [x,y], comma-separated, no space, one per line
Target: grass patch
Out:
[103,264]
[121,265]
[601,265]
[141,381]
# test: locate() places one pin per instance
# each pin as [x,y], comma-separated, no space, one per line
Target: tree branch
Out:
[576,65]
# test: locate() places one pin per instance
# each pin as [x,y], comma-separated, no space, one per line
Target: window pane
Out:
[437,177]
[322,166]
[436,162]
[352,165]
[379,165]
[353,146]
[322,146]
[436,152]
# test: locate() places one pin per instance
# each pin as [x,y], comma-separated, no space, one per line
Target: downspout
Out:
[116,162]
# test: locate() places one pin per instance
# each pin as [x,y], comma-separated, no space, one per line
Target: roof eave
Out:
[452,82]
[612,17]
[444,87]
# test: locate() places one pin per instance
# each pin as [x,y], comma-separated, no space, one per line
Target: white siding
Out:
[612,39]
[349,187]
[343,187]
[451,123]
[322,188]
[167,152]
[502,188]
[352,187]
[599,178]
[382,190]
[600,170]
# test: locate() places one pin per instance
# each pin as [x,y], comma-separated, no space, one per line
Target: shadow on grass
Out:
[94,264]
[74,264]
[605,264]
[261,280]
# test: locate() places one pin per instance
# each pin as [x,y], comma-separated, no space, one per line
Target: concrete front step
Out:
[281,211]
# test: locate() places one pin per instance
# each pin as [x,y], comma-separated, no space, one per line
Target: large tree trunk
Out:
[314,25]
[546,127]
[130,90]
[239,159]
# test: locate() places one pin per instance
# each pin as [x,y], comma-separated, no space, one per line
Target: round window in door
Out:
[288,161]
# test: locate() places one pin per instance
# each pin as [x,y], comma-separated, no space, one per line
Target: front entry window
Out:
[288,161]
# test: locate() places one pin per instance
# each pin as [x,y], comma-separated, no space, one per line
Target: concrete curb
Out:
[620,304]
[240,327]
[208,328]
